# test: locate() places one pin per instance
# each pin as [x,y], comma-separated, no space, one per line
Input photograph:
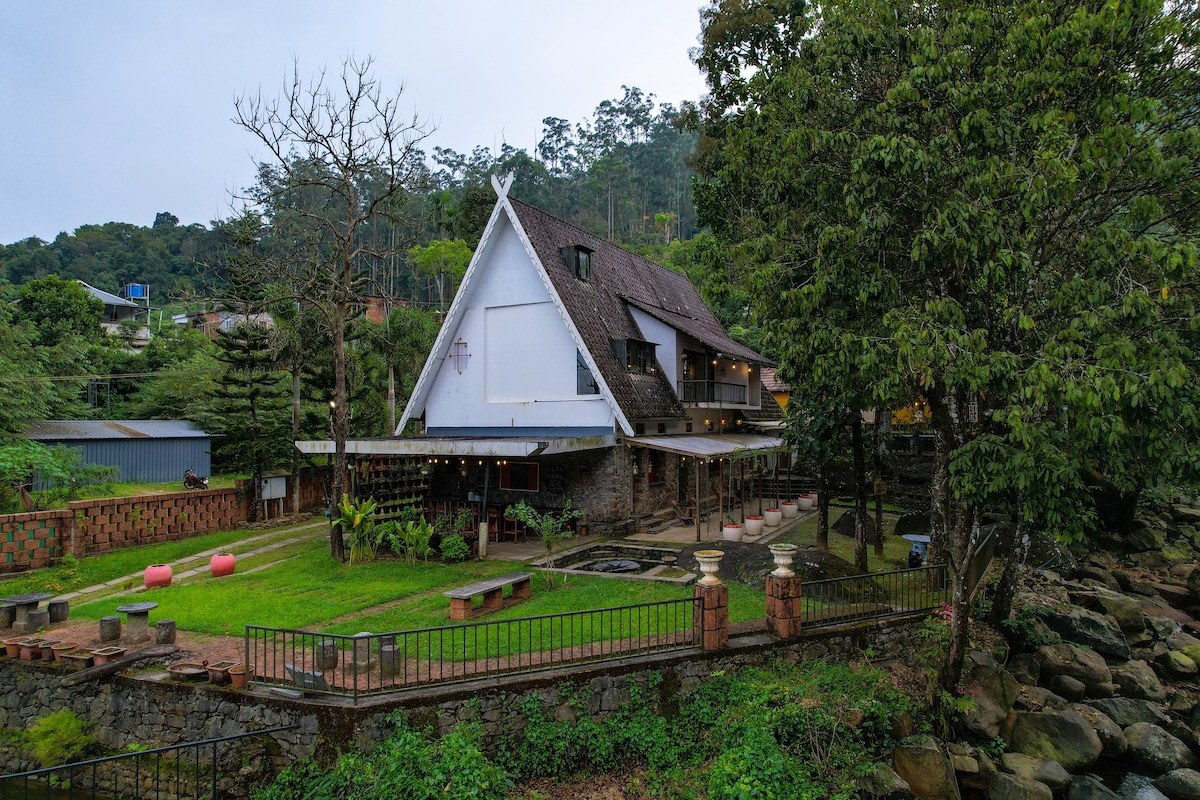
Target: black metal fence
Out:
[874,596]
[186,771]
[373,663]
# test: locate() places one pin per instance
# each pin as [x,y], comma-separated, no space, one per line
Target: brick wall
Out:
[28,541]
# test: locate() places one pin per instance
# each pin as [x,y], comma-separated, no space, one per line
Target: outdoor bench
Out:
[492,591]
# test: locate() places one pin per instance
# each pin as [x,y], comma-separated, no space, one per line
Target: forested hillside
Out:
[621,174]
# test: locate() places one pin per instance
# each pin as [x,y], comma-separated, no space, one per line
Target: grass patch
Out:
[895,549]
[73,574]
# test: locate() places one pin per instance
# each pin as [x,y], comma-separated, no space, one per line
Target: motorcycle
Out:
[193,481]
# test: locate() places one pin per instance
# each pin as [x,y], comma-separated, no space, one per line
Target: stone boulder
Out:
[1124,610]
[1057,735]
[1176,666]
[1144,540]
[926,769]
[1180,784]
[1015,787]
[1067,687]
[1086,666]
[885,784]
[1126,711]
[1089,787]
[1185,514]
[994,691]
[1193,584]
[1051,773]
[1155,750]
[1136,679]
[1098,575]
[1112,738]
[1097,631]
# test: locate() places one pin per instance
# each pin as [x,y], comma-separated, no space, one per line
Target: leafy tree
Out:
[444,263]
[59,309]
[341,157]
[552,528]
[1005,196]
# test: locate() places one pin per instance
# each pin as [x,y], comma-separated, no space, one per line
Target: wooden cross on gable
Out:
[502,189]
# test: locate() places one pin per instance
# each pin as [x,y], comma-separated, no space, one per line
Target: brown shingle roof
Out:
[599,307]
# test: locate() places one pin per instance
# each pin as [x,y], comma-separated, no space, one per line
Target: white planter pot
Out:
[754,526]
[710,564]
[732,533]
[789,509]
[783,554]
[805,503]
[772,516]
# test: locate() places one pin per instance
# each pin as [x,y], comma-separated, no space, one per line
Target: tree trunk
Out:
[860,493]
[1006,590]
[877,469]
[341,414]
[822,508]
[295,436]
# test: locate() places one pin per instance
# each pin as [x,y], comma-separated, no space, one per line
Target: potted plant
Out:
[107,654]
[48,649]
[218,671]
[31,650]
[62,648]
[789,508]
[731,531]
[12,646]
[804,503]
[754,525]
[157,576]
[772,517]
[222,564]
[240,674]
[710,565]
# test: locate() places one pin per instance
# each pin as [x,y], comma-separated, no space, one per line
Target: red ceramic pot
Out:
[157,576]
[222,564]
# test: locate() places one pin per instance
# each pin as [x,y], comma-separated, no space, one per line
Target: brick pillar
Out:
[783,606]
[712,623]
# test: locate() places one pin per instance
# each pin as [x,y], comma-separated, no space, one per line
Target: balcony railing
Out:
[712,392]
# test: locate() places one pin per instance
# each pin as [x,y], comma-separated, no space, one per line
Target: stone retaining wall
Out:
[147,710]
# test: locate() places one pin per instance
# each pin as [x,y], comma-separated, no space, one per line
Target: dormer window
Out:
[635,355]
[579,260]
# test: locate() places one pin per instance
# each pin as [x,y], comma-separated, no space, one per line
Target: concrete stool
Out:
[8,614]
[361,654]
[38,620]
[110,629]
[389,660]
[164,631]
[327,655]
[60,611]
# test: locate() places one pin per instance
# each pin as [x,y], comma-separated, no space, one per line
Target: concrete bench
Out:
[492,591]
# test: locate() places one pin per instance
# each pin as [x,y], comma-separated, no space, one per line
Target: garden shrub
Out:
[57,738]
[455,549]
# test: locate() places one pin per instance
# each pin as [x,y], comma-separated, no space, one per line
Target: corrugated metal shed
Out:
[152,451]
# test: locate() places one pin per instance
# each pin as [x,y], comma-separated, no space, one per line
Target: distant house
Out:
[117,310]
[210,322]
[149,451]
[779,390]
[571,369]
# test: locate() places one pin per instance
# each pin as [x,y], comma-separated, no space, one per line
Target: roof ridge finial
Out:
[502,189]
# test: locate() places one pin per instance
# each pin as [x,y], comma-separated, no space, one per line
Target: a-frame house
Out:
[571,369]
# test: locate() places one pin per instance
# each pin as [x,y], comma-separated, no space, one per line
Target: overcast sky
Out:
[116,110]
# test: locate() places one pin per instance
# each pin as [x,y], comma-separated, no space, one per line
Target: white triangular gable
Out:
[443,355]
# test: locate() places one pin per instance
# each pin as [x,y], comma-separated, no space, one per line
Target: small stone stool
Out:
[38,620]
[8,614]
[327,655]
[164,631]
[60,611]
[110,629]
[389,660]
[361,654]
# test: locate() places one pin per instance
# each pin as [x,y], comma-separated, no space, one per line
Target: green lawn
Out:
[895,549]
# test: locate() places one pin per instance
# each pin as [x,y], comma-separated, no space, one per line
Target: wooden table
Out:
[24,604]
[492,591]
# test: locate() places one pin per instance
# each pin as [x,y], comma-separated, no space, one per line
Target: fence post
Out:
[784,606]
[712,623]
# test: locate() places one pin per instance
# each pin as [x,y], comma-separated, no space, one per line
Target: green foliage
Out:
[455,549]
[551,527]
[413,539]
[57,738]
[60,471]
[1021,632]
[407,766]
[356,521]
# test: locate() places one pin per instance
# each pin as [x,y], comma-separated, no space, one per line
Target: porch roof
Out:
[712,445]
[495,446]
